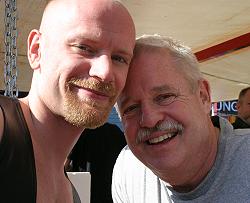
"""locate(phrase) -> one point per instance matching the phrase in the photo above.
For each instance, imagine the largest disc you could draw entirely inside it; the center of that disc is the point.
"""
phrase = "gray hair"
(181, 54)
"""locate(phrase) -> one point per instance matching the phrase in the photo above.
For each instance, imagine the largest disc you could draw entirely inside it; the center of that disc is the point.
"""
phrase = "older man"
(80, 67)
(174, 152)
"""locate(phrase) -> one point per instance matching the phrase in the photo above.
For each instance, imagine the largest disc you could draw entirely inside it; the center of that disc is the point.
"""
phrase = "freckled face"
(83, 62)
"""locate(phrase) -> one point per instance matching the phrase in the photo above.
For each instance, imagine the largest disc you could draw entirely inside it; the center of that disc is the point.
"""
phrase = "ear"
(205, 94)
(33, 51)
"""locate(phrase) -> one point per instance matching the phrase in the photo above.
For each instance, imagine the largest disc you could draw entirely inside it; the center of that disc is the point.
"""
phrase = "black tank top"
(17, 163)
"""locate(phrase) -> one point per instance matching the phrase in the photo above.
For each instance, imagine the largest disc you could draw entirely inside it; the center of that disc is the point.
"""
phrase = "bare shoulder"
(1, 124)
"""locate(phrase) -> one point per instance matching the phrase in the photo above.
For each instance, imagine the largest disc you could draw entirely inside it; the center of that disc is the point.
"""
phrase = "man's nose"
(102, 68)
(150, 117)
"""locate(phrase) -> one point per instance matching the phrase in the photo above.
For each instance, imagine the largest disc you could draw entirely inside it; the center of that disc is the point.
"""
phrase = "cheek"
(130, 130)
(74, 67)
(120, 79)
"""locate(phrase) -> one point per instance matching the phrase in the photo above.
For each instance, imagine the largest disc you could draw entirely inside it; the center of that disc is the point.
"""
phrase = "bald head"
(87, 39)
(108, 15)
(107, 10)
(62, 18)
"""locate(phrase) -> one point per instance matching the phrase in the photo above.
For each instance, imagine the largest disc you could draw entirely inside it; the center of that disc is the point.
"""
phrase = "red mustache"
(107, 89)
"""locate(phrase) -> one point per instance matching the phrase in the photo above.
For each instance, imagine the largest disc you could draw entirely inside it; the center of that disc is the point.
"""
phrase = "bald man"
(80, 58)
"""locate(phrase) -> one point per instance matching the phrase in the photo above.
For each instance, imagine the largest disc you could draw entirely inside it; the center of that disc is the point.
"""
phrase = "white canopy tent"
(218, 31)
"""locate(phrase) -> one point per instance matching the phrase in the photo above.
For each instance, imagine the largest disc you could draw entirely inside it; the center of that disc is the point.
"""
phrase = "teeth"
(161, 138)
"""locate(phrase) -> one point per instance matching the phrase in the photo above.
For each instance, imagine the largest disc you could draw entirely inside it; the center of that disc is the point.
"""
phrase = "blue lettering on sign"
(233, 106)
(219, 106)
(227, 107)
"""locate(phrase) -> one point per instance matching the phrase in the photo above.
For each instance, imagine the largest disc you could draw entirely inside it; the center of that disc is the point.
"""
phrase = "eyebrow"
(163, 88)
(93, 39)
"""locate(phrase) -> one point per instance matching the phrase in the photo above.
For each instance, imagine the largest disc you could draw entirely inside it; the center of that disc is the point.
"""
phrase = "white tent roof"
(218, 31)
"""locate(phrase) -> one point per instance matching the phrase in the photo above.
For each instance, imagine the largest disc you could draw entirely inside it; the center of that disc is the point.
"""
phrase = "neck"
(52, 137)
(204, 169)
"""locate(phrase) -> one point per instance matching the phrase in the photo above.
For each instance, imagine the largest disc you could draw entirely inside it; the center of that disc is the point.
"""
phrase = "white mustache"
(144, 133)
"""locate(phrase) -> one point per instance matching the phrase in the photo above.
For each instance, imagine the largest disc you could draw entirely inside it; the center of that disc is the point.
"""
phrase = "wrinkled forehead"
(153, 72)
(150, 62)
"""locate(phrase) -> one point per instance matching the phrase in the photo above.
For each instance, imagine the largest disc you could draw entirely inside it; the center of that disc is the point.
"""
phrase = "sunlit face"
(244, 107)
(164, 121)
(85, 53)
